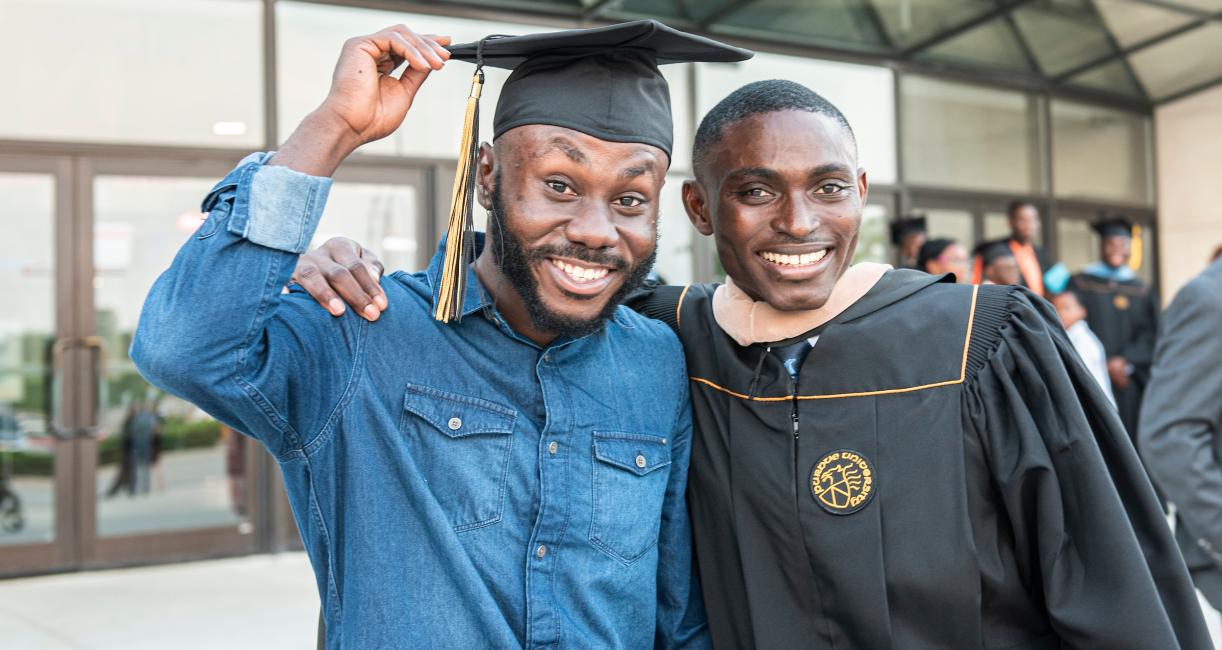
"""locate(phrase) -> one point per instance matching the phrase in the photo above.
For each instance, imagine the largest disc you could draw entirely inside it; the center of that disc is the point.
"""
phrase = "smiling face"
(782, 195)
(573, 226)
(1116, 250)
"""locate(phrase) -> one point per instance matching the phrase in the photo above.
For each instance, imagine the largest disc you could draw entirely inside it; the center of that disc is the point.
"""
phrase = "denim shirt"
(455, 485)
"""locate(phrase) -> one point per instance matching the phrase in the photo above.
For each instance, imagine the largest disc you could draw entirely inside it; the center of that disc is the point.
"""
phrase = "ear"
(485, 173)
(863, 184)
(697, 206)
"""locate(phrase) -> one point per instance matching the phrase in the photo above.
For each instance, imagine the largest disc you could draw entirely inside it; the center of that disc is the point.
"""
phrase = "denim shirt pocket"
(461, 445)
(630, 474)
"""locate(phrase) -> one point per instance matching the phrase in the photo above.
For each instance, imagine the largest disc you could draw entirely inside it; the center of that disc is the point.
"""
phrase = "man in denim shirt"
(515, 478)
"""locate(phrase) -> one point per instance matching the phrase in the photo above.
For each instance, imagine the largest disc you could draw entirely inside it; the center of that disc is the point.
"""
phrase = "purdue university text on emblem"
(843, 482)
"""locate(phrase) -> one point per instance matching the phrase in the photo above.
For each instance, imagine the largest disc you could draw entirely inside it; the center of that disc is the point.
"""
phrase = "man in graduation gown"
(500, 460)
(884, 458)
(1123, 312)
(1033, 261)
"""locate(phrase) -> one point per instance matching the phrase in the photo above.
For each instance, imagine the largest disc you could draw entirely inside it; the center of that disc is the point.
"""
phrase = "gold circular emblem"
(842, 482)
(1121, 302)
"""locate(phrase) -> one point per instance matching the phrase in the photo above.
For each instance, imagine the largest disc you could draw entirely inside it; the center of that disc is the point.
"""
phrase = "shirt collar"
(476, 296)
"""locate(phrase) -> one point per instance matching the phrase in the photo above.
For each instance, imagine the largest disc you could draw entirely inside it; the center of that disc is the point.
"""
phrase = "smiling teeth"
(794, 260)
(581, 273)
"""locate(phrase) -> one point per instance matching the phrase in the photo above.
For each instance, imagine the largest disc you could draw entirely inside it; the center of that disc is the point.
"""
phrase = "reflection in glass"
(967, 137)
(1100, 153)
(27, 329)
(162, 463)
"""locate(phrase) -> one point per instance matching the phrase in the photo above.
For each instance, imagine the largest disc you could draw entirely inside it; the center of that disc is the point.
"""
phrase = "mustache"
(579, 252)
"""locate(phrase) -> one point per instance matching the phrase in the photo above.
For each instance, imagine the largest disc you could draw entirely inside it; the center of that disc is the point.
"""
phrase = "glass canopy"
(1146, 51)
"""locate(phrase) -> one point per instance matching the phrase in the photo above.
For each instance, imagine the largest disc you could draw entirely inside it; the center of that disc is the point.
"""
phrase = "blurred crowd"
(1161, 369)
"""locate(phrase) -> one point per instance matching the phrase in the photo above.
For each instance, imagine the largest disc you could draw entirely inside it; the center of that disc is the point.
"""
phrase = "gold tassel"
(460, 238)
(1135, 249)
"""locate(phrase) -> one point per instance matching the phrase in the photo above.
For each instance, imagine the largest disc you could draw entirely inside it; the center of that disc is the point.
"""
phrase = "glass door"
(40, 366)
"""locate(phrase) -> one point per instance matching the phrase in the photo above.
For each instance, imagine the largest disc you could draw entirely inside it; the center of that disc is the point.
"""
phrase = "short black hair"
(1016, 204)
(757, 98)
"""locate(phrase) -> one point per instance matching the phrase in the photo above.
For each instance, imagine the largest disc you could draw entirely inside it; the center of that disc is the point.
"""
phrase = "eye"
(831, 188)
(559, 186)
(755, 193)
(629, 201)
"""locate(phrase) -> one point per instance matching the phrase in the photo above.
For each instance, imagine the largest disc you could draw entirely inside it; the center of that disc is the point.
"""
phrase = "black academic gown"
(1124, 315)
(1005, 507)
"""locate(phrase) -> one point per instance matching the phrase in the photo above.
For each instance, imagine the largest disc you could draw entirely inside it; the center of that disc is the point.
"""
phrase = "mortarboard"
(603, 82)
(905, 225)
(991, 251)
(1113, 225)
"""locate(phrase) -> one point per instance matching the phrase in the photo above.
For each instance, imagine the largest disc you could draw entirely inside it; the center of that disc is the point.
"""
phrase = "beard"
(515, 260)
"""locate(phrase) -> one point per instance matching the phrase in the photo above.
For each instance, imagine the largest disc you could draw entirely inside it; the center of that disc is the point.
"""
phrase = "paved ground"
(268, 602)
(264, 602)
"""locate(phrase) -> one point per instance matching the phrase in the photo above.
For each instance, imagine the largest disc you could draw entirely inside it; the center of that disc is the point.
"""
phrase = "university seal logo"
(842, 482)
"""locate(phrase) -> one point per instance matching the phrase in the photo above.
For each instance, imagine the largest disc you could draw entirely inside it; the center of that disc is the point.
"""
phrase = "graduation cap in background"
(991, 251)
(1112, 225)
(1118, 225)
(603, 82)
(904, 226)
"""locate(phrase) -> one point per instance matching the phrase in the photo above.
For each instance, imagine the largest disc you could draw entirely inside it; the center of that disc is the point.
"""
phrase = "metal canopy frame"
(911, 57)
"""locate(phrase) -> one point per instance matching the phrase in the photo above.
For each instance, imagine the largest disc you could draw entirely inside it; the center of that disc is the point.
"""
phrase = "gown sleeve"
(1083, 513)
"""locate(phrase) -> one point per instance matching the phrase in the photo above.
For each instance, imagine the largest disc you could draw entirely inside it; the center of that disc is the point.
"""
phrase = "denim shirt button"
(455, 424)
(552, 447)
(541, 551)
(640, 461)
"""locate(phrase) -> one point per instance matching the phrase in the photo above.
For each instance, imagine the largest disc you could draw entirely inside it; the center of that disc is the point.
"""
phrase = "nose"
(593, 228)
(797, 216)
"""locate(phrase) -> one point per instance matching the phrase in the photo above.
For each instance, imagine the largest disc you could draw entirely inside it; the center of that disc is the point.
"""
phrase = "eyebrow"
(831, 168)
(638, 170)
(567, 149)
(762, 172)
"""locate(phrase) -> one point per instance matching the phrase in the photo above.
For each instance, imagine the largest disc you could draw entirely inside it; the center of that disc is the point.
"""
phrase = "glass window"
(865, 94)
(1182, 62)
(675, 255)
(1134, 22)
(967, 137)
(1100, 153)
(27, 328)
(993, 45)
(953, 224)
(187, 72)
(838, 23)
(163, 464)
(996, 226)
(910, 22)
(383, 218)
(873, 241)
(1063, 34)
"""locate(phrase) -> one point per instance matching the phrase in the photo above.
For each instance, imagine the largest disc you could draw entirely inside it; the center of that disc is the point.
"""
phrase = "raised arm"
(215, 328)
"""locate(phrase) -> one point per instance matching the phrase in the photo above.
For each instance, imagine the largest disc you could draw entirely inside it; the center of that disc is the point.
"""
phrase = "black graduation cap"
(1113, 225)
(991, 251)
(603, 82)
(905, 225)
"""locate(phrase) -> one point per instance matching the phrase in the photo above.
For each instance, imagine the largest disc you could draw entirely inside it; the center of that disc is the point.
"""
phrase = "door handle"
(54, 384)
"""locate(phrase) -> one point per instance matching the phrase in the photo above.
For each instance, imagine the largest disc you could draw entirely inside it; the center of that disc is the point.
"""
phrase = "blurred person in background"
(1180, 430)
(1073, 318)
(997, 264)
(1032, 260)
(908, 234)
(943, 255)
(1123, 312)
